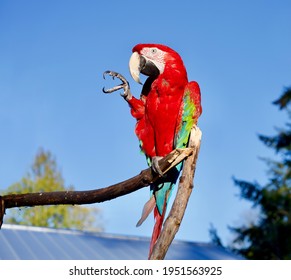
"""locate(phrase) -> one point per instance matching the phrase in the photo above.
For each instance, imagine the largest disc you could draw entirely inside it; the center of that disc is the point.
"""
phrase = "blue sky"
(53, 54)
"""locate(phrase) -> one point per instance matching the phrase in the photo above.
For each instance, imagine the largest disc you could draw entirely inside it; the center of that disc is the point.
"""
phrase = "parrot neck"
(172, 79)
(175, 72)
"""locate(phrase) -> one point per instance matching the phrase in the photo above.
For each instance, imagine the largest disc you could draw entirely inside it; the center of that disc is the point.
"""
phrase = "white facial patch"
(156, 56)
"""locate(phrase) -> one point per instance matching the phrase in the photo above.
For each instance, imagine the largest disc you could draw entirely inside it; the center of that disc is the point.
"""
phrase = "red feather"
(159, 219)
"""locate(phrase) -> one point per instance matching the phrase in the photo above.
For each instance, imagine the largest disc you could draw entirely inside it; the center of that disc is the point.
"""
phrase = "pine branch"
(145, 178)
(172, 223)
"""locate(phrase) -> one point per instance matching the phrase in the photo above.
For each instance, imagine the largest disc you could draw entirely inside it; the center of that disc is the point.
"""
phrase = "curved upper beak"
(134, 67)
(140, 64)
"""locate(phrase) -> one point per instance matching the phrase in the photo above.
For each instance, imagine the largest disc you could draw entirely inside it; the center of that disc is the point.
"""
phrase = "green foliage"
(270, 236)
(44, 176)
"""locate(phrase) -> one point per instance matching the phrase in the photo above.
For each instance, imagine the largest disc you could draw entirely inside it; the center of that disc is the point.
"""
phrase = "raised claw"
(110, 90)
(124, 85)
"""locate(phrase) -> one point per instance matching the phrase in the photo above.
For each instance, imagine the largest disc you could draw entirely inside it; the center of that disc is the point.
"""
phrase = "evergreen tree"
(44, 176)
(270, 236)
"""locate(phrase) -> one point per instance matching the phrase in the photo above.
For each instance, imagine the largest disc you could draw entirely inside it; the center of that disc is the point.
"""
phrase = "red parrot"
(168, 108)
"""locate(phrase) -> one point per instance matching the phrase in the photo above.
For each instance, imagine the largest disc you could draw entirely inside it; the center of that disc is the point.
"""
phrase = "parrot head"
(153, 60)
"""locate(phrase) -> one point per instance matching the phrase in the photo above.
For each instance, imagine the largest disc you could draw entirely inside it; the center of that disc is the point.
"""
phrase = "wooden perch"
(145, 178)
(172, 223)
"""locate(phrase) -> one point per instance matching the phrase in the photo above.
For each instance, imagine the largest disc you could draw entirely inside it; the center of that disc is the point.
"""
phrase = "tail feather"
(147, 209)
(162, 190)
(159, 219)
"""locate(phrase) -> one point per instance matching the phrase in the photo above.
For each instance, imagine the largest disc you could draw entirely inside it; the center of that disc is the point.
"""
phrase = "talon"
(105, 73)
(155, 165)
(124, 85)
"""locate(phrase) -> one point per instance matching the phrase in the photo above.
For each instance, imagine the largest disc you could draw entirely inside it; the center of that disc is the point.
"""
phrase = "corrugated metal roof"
(35, 243)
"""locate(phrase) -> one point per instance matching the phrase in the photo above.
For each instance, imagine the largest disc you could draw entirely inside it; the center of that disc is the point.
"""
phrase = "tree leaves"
(44, 176)
(270, 236)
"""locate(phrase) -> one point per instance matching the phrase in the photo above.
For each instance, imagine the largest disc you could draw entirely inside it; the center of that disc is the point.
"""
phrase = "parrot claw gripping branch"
(168, 108)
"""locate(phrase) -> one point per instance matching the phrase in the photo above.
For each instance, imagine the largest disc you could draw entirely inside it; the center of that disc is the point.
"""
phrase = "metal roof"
(34, 243)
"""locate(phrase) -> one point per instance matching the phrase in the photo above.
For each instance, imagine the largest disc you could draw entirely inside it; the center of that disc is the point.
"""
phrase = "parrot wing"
(189, 114)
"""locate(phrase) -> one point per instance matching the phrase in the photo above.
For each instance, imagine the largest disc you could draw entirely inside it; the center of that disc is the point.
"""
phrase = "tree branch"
(145, 178)
(172, 223)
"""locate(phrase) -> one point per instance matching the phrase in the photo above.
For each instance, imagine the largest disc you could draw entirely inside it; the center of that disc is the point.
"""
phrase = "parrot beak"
(140, 64)
(134, 67)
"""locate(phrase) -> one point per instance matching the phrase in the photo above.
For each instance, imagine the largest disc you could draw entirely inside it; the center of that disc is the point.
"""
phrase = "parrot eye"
(153, 51)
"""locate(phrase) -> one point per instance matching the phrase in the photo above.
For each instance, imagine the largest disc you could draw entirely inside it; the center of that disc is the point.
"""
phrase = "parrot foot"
(124, 85)
(155, 165)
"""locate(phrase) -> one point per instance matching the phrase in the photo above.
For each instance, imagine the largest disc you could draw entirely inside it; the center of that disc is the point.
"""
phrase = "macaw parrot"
(168, 108)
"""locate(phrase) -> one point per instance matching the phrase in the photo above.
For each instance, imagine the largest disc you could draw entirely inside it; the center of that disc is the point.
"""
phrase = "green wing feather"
(187, 119)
